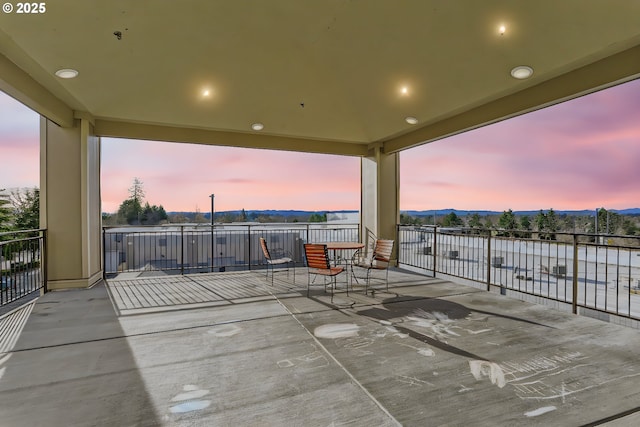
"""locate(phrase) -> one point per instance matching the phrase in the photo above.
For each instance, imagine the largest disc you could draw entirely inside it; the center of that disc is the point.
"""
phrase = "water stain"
(194, 394)
(426, 352)
(540, 411)
(190, 392)
(189, 406)
(336, 330)
(224, 330)
(284, 363)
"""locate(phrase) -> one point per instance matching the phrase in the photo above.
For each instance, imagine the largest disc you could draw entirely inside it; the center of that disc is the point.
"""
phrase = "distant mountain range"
(438, 212)
(459, 212)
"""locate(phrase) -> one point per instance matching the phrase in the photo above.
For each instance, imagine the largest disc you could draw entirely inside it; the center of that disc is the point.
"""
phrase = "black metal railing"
(22, 264)
(586, 271)
(204, 248)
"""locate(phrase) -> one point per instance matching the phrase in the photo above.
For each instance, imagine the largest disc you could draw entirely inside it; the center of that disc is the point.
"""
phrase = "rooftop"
(230, 349)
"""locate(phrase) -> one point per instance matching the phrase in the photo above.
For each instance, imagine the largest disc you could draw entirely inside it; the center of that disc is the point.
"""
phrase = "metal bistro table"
(342, 246)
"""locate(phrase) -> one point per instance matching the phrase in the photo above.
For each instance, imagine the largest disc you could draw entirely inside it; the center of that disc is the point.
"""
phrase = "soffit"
(322, 71)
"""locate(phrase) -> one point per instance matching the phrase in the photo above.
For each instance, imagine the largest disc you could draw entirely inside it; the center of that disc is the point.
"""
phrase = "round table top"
(344, 245)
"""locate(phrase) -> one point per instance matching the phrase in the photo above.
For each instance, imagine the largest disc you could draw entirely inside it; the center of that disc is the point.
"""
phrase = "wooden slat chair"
(379, 259)
(272, 261)
(318, 263)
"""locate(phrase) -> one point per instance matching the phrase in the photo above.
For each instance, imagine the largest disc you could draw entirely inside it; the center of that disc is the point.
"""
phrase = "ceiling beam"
(615, 69)
(21, 86)
(121, 129)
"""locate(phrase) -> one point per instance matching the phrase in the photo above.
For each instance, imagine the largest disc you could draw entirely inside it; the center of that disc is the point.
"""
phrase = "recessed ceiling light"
(257, 126)
(206, 92)
(522, 72)
(404, 90)
(67, 73)
(411, 120)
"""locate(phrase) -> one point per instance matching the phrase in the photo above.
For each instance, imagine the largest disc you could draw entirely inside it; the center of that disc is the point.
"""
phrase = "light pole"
(212, 211)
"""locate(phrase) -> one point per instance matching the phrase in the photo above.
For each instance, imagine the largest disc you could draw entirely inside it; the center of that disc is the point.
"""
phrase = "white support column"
(380, 186)
(70, 203)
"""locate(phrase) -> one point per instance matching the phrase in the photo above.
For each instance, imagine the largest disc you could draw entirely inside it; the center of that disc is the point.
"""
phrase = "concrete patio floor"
(240, 352)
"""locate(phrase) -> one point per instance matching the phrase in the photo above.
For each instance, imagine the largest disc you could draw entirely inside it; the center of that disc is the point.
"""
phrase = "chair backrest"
(369, 242)
(383, 249)
(265, 249)
(317, 255)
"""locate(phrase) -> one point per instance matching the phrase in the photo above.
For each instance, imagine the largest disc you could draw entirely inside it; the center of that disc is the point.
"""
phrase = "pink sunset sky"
(580, 154)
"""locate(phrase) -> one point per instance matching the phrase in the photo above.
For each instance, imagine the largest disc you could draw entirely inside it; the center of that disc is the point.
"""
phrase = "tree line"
(136, 211)
(545, 223)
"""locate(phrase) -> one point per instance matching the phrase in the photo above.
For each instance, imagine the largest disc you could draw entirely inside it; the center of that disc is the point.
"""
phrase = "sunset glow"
(581, 154)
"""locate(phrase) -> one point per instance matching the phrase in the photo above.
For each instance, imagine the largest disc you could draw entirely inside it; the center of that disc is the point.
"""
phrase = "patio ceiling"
(323, 76)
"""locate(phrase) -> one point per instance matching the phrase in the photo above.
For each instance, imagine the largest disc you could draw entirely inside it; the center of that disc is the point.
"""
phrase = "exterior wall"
(70, 204)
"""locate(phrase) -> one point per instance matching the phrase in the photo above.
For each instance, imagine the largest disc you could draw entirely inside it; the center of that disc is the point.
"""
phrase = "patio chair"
(378, 260)
(317, 257)
(282, 257)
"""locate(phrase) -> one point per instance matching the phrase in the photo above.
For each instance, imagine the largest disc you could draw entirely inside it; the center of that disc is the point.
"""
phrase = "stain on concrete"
(189, 395)
(336, 330)
(540, 411)
(224, 330)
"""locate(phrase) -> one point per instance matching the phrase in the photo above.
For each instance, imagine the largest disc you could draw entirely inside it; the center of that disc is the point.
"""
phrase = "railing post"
(489, 262)
(212, 248)
(182, 249)
(249, 245)
(398, 244)
(104, 254)
(435, 250)
(575, 275)
(43, 261)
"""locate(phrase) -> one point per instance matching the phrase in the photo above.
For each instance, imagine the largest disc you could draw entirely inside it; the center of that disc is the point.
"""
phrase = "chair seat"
(377, 265)
(327, 272)
(279, 260)
(379, 259)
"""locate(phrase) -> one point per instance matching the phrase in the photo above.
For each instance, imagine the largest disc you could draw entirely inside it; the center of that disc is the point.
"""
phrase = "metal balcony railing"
(204, 248)
(22, 264)
(584, 271)
(581, 271)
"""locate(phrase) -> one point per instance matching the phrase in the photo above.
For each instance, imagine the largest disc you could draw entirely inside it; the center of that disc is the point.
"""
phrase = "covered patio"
(354, 78)
(428, 352)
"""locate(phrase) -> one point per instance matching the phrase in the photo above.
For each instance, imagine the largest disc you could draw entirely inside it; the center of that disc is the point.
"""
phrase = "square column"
(380, 187)
(70, 204)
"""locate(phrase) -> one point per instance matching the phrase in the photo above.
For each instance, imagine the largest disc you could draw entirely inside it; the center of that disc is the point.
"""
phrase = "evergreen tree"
(318, 217)
(130, 212)
(507, 221)
(547, 224)
(451, 220)
(474, 221)
(27, 209)
(136, 192)
(6, 213)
